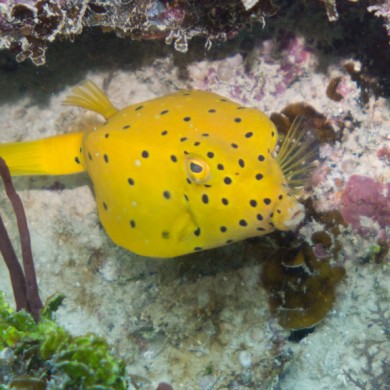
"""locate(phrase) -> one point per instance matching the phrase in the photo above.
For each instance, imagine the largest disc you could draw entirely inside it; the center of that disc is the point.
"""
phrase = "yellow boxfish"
(173, 175)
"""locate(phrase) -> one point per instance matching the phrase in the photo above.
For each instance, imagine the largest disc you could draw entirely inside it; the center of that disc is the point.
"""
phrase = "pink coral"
(364, 197)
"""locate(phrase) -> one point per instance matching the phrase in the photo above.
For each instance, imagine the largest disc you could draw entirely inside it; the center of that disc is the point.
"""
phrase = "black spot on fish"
(248, 134)
(241, 163)
(164, 112)
(139, 108)
(278, 211)
(81, 150)
(130, 181)
(267, 201)
(223, 229)
(197, 232)
(233, 145)
(106, 135)
(104, 206)
(197, 143)
(186, 119)
(227, 180)
(260, 157)
(259, 217)
(220, 167)
(126, 127)
(165, 132)
(77, 160)
(253, 203)
(145, 154)
(205, 135)
(225, 201)
(205, 199)
(188, 181)
(166, 194)
(89, 156)
(211, 111)
(186, 197)
(280, 197)
(173, 158)
(237, 120)
(132, 223)
(223, 100)
(259, 176)
(242, 222)
(105, 158)
(273, 134)
(210, 154)
(182, 139)
(165, 235)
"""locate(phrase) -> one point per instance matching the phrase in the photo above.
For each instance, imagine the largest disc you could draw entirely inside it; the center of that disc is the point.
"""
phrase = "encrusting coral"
(28, 27)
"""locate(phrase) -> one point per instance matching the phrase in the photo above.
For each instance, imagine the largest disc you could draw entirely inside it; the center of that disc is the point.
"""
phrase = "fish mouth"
(296, 215)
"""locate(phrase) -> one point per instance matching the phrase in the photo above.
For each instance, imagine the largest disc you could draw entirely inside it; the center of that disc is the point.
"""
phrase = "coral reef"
(27, 27)
(381, 8)
(203, 321)
(362, 198)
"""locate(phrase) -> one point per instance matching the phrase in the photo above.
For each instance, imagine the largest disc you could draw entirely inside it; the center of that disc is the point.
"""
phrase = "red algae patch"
(365, 197)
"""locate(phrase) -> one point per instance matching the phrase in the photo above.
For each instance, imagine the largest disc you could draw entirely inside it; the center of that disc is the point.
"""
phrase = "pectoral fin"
(184, 227)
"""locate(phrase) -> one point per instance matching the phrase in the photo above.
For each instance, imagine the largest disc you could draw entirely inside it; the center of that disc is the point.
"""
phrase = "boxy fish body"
(177, 174)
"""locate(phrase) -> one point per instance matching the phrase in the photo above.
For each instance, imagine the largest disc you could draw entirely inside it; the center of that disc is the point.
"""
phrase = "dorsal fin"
(88, 95)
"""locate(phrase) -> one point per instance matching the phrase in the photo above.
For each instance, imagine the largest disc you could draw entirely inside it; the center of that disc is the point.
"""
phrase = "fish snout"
(291, 218)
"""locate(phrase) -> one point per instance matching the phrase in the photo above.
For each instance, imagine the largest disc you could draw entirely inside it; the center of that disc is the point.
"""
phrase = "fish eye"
(195, 167)
(198, 171)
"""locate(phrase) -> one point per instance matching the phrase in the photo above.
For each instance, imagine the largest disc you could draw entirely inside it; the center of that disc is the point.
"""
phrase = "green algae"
(45, 353)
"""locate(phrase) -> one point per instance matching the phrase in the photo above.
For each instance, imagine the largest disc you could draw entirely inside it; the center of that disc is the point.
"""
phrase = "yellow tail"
(58, 155)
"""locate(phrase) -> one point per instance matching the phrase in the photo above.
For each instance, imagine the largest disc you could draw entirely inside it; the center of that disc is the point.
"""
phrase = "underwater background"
(303, 310)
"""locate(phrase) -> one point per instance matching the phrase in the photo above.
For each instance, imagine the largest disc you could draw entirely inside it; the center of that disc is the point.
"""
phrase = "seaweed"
(47, 353)
(25, 286)
(301, 287)
(36, 345)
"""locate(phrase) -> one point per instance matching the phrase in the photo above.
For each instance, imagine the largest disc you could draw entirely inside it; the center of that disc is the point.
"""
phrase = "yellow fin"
(184, 226)
(89, 96)
(296, 155)
(57, 155)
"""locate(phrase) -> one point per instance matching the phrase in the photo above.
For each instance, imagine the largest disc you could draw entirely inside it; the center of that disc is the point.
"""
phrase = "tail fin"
(58, 155)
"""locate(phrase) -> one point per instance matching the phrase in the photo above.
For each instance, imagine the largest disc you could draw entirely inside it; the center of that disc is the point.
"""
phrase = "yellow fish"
(173, 175)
